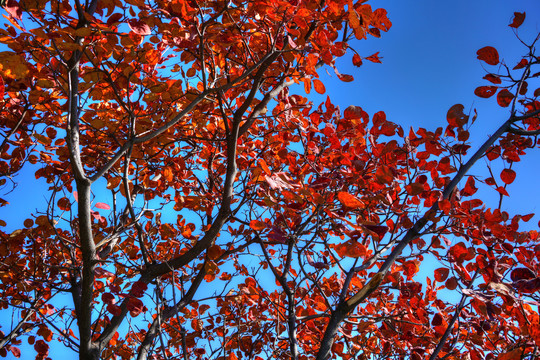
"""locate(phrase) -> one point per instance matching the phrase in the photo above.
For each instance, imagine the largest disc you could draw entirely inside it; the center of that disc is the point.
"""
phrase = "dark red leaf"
(451, 283)
(522, 274)
(437, 320)
(441, 274)
(488, 54)
(380, 230)
(485, 91)
(456, 117)
(517, 20)
(494, 79)
(108, 298)
(114, 309)
(41, 347)
(138, 288)
(521, 64)
(504, 98)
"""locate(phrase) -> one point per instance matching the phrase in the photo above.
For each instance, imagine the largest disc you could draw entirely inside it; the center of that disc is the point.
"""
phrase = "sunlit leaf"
(319, 86)
(103, 206)
(139, 27)
(350, 200)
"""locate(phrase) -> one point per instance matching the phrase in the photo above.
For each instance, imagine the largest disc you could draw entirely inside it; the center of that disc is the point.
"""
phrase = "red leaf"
(517, 20)
(488, 54)
(379, 230)
(521, 64)
(508, 176)
(374, 58)
(352, 249)
(485, 91)
(494, 79)
(345, 78)
(41, 347)
(103, 206)
(114, 309)
(504, 98)
(2, 88)
(139, 27)
(437, 320)
(13, 8)
(108, 298)
(441, 274)
(114, 18)
(138, 288)
(502, 191)
(521, 274)
(349, 200)
(135, 306)
(319, 86)
(451, 283)
(357, 60)
(355, 112)
(456, 117)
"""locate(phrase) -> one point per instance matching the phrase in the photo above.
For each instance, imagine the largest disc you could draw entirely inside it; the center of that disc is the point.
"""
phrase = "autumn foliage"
(199, 209)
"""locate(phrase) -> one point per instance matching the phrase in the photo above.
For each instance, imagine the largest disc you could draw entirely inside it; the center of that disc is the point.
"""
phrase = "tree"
(198, 209)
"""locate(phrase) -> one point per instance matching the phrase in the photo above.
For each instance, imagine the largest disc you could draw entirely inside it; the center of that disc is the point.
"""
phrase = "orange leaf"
(349, 200)
(352, 249)
(517, 20)
(319, 86)
(488, 54)
(504, 98)
(264, 166)
(257, 225)
(508, 176)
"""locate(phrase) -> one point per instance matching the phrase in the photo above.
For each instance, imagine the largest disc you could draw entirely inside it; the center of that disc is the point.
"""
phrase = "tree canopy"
(201, 206)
